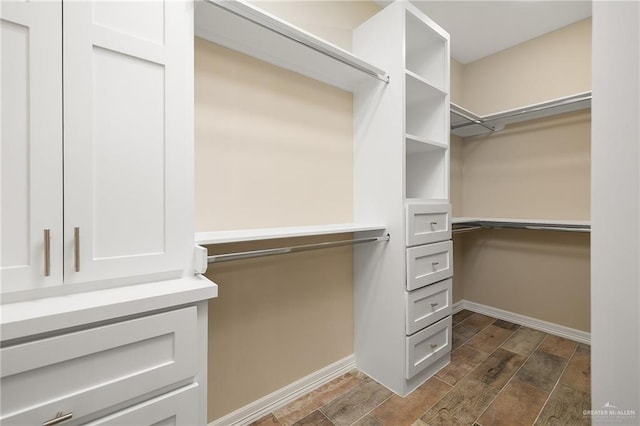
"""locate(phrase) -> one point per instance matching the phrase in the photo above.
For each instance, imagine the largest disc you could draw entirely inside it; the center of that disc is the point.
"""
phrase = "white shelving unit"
(246, 28)
(465, 123)
(401, 176)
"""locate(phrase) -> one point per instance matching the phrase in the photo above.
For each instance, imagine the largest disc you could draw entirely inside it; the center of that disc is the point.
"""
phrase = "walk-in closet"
(353, 212)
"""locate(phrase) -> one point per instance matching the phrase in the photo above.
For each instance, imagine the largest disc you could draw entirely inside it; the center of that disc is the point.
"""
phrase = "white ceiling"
(480, 28)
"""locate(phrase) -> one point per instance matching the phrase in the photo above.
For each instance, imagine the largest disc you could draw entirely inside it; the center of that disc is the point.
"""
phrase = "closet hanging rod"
(217, 258)
(505, 225)
(583, 97)
(382, 77)
(481, 121)
(558, 228)
(462, 230)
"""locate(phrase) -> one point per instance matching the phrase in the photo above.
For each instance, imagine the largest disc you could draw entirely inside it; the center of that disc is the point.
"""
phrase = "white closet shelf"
(465, 123)
(427, 82)
(420, 144)
(37, 316)
(220, 237)
(245, 28)
(468, 223)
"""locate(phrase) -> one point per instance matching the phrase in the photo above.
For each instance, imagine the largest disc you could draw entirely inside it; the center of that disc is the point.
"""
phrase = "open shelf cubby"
(425, 51)
(426, 171)
(426, 110)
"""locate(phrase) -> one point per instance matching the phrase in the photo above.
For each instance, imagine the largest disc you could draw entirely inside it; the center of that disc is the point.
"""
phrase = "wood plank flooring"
(500, 374)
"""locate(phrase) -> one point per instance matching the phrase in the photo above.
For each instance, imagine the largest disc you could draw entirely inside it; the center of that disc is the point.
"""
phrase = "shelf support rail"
(217, 258)
(380, 76)
(471, 121)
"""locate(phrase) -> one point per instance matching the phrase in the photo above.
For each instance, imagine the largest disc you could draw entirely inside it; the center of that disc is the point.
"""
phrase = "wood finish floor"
(500, 374)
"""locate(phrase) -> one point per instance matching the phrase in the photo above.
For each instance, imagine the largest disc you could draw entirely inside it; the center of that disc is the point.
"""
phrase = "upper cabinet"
(31, 145)
(126, 77)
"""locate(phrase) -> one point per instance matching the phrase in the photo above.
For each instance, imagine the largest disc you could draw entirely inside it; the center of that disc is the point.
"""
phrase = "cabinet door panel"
(31, 170)
(128, 138)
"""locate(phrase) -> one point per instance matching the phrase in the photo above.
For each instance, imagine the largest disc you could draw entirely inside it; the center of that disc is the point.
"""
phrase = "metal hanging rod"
(467, 227)
(217, 258)
(382, 77)
(583, 97)
(497, 121)
(464, 229)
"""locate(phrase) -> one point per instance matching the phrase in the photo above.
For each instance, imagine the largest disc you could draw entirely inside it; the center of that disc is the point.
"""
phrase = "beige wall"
(539, 169)
(535, 170)
(457, 70)
(332, 21)
(544, 275)
(274, 148)
(276, 320)
(548, 67)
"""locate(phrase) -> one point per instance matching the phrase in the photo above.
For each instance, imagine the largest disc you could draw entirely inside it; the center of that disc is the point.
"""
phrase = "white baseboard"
(283, 396)
(547, 327)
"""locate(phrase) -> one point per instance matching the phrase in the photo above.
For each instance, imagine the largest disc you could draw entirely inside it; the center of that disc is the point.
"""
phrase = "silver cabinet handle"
(433, 223)
(434, 264)
(433, 305)
(59, 418)
(76, 248)
(47, 252)
(434, 345)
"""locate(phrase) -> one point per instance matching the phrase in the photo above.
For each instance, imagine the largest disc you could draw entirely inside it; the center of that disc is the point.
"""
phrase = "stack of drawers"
(428, 294)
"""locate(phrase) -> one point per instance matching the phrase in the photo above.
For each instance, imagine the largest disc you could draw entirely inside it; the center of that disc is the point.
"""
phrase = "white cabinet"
(125, 72)
(402, 295)
(101, 317)
(31, 170)
(85, 373)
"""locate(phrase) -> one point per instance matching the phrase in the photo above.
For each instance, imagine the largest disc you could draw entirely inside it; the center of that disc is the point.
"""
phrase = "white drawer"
(427, 346)
(428, 223)
(179, 408)
(429, 264)
(428, 305)
(86, 371)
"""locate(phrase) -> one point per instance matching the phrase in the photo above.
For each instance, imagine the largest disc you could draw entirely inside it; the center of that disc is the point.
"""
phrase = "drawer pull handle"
(434, 264)
(59, 418)
(47, 252)
(433, 224)
(433, 305)
(434, 345)
(76, 248)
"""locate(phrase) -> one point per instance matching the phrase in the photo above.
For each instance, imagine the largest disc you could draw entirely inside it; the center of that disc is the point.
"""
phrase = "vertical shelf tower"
(401, 178)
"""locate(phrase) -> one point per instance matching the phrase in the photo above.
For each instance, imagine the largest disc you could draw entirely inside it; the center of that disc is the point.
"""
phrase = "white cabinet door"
(128, 138)
(31, 169)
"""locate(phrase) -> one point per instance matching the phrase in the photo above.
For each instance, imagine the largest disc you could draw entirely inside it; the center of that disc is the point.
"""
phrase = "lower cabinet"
(139, 371)
(177, 408)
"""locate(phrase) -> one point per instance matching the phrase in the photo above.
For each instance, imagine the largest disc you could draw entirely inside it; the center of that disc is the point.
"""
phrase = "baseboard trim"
(547, 327)
(283, 396)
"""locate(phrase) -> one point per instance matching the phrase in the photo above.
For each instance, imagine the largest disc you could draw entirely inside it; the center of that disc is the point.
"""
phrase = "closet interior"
(301, 144)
